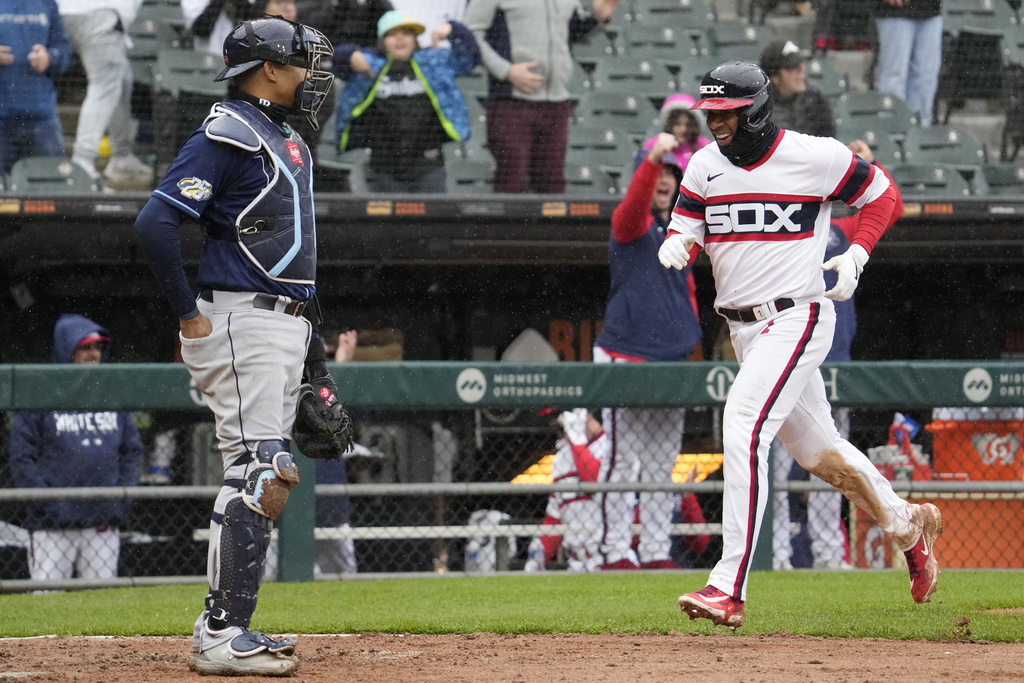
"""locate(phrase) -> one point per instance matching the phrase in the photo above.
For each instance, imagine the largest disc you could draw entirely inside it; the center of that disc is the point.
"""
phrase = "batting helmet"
(275, 39)
(741, 86)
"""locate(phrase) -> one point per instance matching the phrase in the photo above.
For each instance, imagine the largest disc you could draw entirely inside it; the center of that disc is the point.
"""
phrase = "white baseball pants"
(645, 444)
(56, 554)
(779, 390)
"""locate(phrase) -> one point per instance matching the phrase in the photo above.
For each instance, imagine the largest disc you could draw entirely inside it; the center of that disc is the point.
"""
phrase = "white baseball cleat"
(237, 651)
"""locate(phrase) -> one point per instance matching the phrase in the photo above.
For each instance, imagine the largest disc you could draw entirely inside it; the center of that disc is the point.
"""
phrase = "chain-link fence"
(509, 488)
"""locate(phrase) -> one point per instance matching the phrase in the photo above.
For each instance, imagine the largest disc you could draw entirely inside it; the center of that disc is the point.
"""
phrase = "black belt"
(266, 302)
(749, 315)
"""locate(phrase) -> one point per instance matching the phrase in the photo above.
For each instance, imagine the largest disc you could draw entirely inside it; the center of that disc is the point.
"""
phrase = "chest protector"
(276, 231)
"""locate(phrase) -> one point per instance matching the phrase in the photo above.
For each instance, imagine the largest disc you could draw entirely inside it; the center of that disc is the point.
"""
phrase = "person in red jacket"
(651, 316)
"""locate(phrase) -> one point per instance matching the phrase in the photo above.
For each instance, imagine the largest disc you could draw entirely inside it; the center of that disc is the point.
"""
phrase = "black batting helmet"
(742, 86)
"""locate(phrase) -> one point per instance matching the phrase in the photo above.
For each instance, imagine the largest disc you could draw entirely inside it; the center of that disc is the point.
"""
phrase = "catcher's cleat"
(237, 651)
(921, 562)
(710, 603)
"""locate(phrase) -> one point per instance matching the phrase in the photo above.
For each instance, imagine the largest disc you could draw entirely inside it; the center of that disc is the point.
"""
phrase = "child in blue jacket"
(404, 105)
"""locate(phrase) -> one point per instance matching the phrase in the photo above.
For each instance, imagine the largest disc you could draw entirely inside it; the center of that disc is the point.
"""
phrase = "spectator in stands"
(347, 21)
(687, 126)
(405, 106)
(33, 47)
(651, 315)
(81, 449)
(796, 104)
(98, 36)
(910, 51)
(525, 47)
(432, 14)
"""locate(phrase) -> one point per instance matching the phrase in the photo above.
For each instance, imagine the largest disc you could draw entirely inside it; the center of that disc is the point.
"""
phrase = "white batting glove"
(848, 265)
(675, 251)
(574, 424)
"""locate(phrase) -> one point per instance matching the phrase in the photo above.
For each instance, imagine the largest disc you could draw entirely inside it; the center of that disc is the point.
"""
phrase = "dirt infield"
(373, 658)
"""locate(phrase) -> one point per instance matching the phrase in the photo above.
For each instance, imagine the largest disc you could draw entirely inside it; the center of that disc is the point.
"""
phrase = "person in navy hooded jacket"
(75, 449)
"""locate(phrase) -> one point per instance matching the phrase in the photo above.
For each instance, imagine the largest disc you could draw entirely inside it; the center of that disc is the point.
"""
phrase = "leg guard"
(244, 538)
(270, 480)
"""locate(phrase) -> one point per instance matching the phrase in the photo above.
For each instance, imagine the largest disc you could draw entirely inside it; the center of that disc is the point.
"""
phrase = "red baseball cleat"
(659, 564)
(710, 603)
(921, 562)
(617, 565)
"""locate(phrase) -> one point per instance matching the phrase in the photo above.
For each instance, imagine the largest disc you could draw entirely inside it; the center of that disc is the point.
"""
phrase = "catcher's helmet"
(275, 39)
(742, 86)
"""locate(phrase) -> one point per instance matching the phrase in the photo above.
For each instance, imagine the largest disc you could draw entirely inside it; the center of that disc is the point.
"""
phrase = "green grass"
(857, 604)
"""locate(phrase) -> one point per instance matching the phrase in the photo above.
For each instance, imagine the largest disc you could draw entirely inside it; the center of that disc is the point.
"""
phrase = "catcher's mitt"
(322, 427)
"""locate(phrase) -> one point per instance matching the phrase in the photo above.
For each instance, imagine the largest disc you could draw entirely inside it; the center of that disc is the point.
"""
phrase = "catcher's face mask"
(310, 96)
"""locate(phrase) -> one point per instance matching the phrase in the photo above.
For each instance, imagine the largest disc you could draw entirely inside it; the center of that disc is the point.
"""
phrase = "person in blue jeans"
(33, 47)
(405, 104)
(910, 51)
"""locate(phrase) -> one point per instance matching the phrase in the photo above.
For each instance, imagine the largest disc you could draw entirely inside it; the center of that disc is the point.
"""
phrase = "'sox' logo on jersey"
(712, 90)
(760, 220)
(195, 189)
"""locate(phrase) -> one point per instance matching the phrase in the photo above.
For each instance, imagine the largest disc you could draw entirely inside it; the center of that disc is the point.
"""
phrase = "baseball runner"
(651, 315)
(758, 204)
(246, 177)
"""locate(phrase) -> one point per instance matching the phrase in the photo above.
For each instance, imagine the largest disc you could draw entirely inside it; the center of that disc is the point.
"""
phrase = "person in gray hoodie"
(75, 449)
(524, 44)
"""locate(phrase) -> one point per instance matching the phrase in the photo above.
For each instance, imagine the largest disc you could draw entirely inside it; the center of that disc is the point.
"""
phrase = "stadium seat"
(473, 83)
(876, 110)
(1004, 179)
(1013, 104)
(470, 176)
(638, 76)
(972, 67)
(943, 145)
(690, 14)
(826, 76)
(602, 145)
(887, 152)
(932, 180)
(49, 176)
(743, 42)
(163, 11)
(598, 45)
(667, 41)
(149, 35)
(689, 77)
(586, 179)
(629, 113)
(183, 92)
(977, 14)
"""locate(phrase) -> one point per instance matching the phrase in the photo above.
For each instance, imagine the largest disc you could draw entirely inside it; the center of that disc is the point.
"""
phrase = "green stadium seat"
(1004, 179)
(473, 83)
(465, 176)
(743, 42)
(49, 176)
(691, 14)
(667, 41)
(887, 152)
(943, 145)
(977, 14)
(642, 76)
(826, 76)
(183, 92)
(589, 180)
(602, 145)
(163, 11)
(598, 45)
(876, 110)
(692, 73)
(632, 114)
(931, 180)
(149, 35)
(972, 67)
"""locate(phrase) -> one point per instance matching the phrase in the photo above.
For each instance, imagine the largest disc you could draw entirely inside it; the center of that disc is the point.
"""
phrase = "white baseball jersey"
(765, 226)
